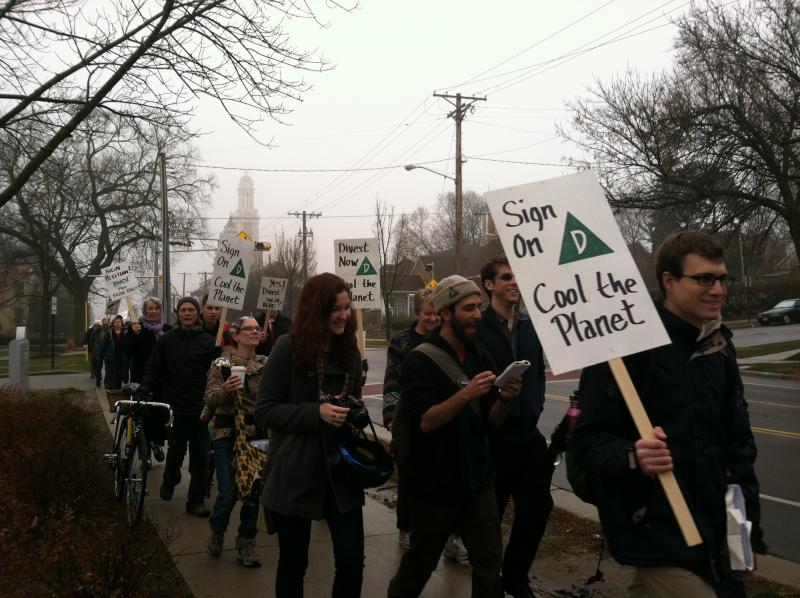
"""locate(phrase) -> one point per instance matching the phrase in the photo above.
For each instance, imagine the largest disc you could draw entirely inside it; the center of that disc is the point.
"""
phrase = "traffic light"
(263, 246)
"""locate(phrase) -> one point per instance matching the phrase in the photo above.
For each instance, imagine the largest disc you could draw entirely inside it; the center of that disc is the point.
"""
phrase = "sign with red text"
(358, 263)
(272, 293)
(232, 262)
(584, 293)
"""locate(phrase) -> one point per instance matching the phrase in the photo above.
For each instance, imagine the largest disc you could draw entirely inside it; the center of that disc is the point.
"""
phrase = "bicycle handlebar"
(147, 404)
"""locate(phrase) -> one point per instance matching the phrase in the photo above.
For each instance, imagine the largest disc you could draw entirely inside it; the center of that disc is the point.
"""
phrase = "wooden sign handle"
(133, 315)
(222, 317)
(668, 482)
(362, 340)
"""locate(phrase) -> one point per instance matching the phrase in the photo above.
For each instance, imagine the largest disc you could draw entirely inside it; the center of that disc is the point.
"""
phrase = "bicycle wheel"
(120, 459)
(137, 479)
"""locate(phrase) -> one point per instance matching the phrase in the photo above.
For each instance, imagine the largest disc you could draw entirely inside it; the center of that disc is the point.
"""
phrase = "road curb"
(774, 375)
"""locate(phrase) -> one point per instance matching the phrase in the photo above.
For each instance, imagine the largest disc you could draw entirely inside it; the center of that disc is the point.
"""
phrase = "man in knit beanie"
(447, 385)
(177, 368)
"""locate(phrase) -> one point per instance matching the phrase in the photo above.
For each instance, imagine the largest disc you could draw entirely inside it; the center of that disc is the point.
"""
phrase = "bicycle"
(130, 458)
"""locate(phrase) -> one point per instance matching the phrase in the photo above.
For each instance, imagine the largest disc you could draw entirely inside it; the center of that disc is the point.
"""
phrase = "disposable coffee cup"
(238, 370)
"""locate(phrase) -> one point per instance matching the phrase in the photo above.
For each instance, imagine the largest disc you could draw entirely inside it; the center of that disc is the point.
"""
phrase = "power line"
(311, 170)
(531, 47)
(525, 73)
(522, 162)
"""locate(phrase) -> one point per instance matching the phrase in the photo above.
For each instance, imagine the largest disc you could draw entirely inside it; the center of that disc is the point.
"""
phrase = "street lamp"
(411, 167)
(459, 208)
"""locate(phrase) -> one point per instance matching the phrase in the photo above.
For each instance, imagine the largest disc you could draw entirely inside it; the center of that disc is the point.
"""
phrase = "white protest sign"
(584, 293)
(357, 262)
(232, 263)
(272, 293)
(120, 280)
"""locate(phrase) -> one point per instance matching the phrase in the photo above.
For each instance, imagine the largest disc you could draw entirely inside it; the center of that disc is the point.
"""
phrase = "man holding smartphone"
(518, 448)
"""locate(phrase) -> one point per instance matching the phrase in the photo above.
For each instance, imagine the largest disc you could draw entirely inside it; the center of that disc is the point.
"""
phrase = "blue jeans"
(226, 494)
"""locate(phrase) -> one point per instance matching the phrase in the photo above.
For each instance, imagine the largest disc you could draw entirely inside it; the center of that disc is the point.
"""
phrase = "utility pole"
(458, 116)
(165, 237)
(305, 234)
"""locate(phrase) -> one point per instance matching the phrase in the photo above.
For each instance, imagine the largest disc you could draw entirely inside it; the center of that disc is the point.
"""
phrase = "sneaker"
(158, 453)
(215, 540)
(405, 539)
(246, 553)
(455, 551)
(198, 509)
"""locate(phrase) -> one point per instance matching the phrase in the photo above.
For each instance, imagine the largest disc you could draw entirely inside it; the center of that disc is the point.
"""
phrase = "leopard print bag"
(247, 462)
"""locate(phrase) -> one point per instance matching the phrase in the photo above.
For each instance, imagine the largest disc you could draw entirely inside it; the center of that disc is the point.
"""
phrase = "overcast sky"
(375, 108)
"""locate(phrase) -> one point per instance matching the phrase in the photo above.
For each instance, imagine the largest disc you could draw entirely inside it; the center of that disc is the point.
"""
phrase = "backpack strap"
(449, 366)
(445, 362)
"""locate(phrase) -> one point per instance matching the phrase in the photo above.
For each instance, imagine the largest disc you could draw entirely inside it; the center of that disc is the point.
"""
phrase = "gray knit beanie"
(451, 290)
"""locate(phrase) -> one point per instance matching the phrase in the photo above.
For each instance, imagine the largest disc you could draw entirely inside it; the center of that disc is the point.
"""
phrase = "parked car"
(785, 312)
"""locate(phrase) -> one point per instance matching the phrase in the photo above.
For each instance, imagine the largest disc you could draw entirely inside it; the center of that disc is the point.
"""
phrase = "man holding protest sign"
(692, 391)
(518, 448)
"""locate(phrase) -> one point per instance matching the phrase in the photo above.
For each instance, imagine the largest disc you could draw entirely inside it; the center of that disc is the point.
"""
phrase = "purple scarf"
(154, 326)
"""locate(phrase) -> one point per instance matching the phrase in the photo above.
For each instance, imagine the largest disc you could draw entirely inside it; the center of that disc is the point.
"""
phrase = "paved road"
(775, 417)
(761, 335)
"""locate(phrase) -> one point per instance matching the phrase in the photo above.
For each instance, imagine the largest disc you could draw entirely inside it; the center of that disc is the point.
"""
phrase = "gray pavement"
(185, 537)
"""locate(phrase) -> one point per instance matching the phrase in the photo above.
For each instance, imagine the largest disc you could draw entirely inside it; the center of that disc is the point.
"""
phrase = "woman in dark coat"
(310, 368)
(115, 358)
(142, 337)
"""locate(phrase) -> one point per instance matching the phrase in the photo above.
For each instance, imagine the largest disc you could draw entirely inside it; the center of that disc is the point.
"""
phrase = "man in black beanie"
(177, 368)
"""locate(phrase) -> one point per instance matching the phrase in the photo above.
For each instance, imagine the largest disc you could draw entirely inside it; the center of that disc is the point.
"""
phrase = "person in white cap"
(448, 387)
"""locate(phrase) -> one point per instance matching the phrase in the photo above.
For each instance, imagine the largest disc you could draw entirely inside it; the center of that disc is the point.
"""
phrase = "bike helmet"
(366, 461)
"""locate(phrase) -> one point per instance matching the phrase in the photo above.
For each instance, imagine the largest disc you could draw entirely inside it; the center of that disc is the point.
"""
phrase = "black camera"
(358, 415)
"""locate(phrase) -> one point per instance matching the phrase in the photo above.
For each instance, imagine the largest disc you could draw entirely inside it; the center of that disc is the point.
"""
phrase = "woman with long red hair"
(309, 371)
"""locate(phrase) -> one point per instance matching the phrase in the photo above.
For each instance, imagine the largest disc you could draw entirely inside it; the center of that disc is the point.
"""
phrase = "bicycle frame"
(130, 481)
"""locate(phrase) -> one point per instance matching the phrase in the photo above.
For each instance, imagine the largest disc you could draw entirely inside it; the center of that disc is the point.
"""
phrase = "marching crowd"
(464, 446)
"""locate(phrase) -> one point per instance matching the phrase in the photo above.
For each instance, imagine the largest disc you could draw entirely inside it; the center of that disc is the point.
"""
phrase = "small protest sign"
(584, 293)
(357, 262)
(272, 293)
(232, 263)
(120, 280)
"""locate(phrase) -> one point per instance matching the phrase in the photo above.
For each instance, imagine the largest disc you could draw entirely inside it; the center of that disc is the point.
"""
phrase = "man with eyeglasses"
(693, 394)
(518, 448)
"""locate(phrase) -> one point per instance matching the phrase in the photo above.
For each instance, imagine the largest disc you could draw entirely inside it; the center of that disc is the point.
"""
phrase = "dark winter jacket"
(138, 348)
(177, 369)
(282, 326)
(399, 348)
(453, 461)
(302, 446)
(691, 389)
(520, 426)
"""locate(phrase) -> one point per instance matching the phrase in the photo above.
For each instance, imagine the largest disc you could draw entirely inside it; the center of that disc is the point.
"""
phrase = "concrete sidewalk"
(186, 536)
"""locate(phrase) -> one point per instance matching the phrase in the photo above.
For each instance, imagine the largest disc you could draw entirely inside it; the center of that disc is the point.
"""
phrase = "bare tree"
(132, 56)
(716, 137)
(443, 227)
(97, 198)
(392, 242)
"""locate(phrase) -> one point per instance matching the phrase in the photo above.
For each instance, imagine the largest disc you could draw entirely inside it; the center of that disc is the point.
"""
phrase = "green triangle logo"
(238, 270)
(579, 243)
(366, 268)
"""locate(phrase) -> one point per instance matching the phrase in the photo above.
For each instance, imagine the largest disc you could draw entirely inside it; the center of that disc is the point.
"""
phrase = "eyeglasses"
(708, 280)
(507, 276)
